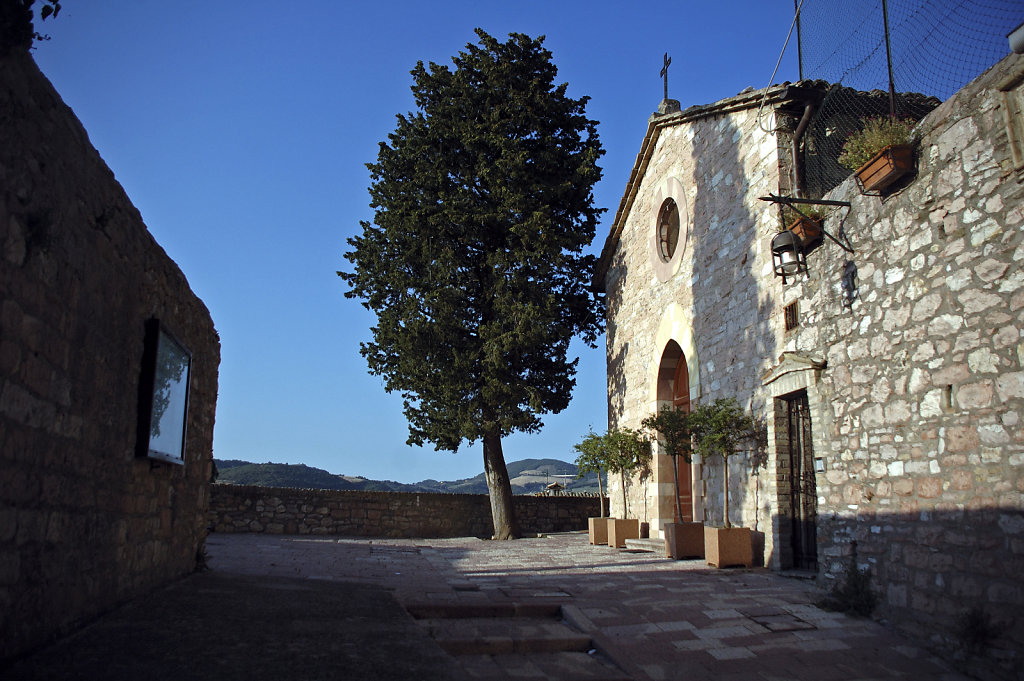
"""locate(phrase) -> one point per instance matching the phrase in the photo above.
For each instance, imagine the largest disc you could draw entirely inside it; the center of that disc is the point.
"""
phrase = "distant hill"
(528, 476)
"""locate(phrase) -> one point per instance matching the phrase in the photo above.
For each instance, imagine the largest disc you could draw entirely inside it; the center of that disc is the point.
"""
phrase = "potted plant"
(806, 225)
(682, 539)
(718, 429)
(629, 454)
(880, 152)
(593, 458)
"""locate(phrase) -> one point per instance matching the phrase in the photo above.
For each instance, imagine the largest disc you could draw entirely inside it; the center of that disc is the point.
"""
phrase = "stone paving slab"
(654, 618)
(231, 627)
(300, 607)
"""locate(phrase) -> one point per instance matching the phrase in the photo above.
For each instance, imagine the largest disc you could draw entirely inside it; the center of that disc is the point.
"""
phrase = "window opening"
(792, 316)
(668, 230)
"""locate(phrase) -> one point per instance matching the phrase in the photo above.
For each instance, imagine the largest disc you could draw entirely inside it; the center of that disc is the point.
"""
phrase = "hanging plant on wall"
(806, 225)
(880, 152)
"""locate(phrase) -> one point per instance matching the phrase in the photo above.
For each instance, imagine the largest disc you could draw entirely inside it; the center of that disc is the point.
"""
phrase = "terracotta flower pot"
(684, 540)
(885, 167)
(728, 546)
(807, 230)
(620, 530)
(598, 530)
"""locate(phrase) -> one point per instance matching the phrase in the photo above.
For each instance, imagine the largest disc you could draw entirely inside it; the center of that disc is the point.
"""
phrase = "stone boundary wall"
(278, 510)
(84, 524)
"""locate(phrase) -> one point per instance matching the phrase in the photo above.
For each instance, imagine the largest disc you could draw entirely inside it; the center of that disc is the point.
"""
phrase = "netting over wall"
(936, 47)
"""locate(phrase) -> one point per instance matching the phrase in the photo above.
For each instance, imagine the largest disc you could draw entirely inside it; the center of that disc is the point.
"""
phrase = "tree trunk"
(600, 493)
(625, 502)
(675, 479)
(725, 476)
(500, 490)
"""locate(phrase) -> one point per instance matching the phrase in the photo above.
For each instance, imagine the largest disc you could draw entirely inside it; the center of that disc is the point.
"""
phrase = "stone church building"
(889, 377)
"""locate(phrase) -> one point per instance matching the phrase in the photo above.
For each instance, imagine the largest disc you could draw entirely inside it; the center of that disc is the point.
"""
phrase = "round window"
(668, 230)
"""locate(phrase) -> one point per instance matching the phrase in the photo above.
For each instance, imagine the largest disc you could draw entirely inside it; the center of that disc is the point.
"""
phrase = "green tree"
(720, 427)
(674, 430)
(16, 31)
(593, 457)
(629, 453)
(474, 262)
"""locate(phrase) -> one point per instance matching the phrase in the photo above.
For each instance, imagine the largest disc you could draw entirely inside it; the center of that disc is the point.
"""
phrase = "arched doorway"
(674, 389)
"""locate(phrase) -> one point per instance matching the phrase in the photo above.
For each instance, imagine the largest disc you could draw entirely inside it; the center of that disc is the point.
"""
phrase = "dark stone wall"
(84, 524)
(238, 508)
(918, 430)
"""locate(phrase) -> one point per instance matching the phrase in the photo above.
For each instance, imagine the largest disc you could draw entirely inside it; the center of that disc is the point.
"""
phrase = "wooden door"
(681, 401)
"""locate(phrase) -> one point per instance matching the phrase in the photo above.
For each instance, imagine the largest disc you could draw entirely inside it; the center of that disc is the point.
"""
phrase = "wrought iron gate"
(803, 491)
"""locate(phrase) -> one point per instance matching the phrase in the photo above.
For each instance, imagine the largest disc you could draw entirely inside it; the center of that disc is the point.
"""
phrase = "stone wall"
(909, 351)
(239, 508)
(713, 303)
(920, 428)
(84, 524)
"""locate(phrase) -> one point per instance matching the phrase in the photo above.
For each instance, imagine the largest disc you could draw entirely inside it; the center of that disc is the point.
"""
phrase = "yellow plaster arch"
(676, 325)
(668, 188)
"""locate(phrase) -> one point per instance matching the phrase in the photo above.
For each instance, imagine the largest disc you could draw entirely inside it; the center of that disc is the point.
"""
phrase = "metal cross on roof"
(664, 72)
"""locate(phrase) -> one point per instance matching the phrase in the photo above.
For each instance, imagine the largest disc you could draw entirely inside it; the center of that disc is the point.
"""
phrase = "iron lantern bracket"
(793, 203)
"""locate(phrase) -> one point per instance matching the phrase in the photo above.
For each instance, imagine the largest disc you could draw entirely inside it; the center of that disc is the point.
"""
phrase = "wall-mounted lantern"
(789, 251)
(788, 258)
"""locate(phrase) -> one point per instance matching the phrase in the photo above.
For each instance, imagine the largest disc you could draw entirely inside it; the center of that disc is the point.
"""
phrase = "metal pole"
(888, 60)
(799, 42)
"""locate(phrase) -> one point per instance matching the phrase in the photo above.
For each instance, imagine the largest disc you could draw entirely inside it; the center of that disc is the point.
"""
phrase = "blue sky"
(241, 130)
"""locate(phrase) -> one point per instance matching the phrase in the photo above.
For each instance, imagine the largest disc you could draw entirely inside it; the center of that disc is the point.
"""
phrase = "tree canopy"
(593, 457)
(629, 454)
(674, 434)
(720, 427)
(474, 262)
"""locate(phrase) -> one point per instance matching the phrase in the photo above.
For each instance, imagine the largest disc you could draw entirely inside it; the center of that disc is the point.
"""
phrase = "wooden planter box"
(885, 167)
(598, 530)
(684, 540)
(728, 546)
(807, 230)
(621, 530)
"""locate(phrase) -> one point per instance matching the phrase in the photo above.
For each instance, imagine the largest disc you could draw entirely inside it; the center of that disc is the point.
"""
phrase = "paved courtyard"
(298, 607)
(646, 617)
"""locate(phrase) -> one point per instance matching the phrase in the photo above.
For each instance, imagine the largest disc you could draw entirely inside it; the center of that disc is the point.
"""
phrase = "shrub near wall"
(237, 508)
(84, 524)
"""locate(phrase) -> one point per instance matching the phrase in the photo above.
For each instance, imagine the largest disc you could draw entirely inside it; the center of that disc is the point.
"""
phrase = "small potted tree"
(682, 539)
(593, 458)
(879, 153)
(718, 429)
(629, 454)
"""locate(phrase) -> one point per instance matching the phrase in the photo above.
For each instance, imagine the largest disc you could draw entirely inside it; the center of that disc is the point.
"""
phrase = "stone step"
(512, 641)
(563, 666)
(653, 545)
(482, 610)
(504, 636)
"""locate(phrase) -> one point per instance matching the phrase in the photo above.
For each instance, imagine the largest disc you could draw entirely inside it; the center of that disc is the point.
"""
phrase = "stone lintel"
(790, 362)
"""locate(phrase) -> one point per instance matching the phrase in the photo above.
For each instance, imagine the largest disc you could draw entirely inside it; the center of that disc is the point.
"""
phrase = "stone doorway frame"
(793, 374)
(675, 328)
